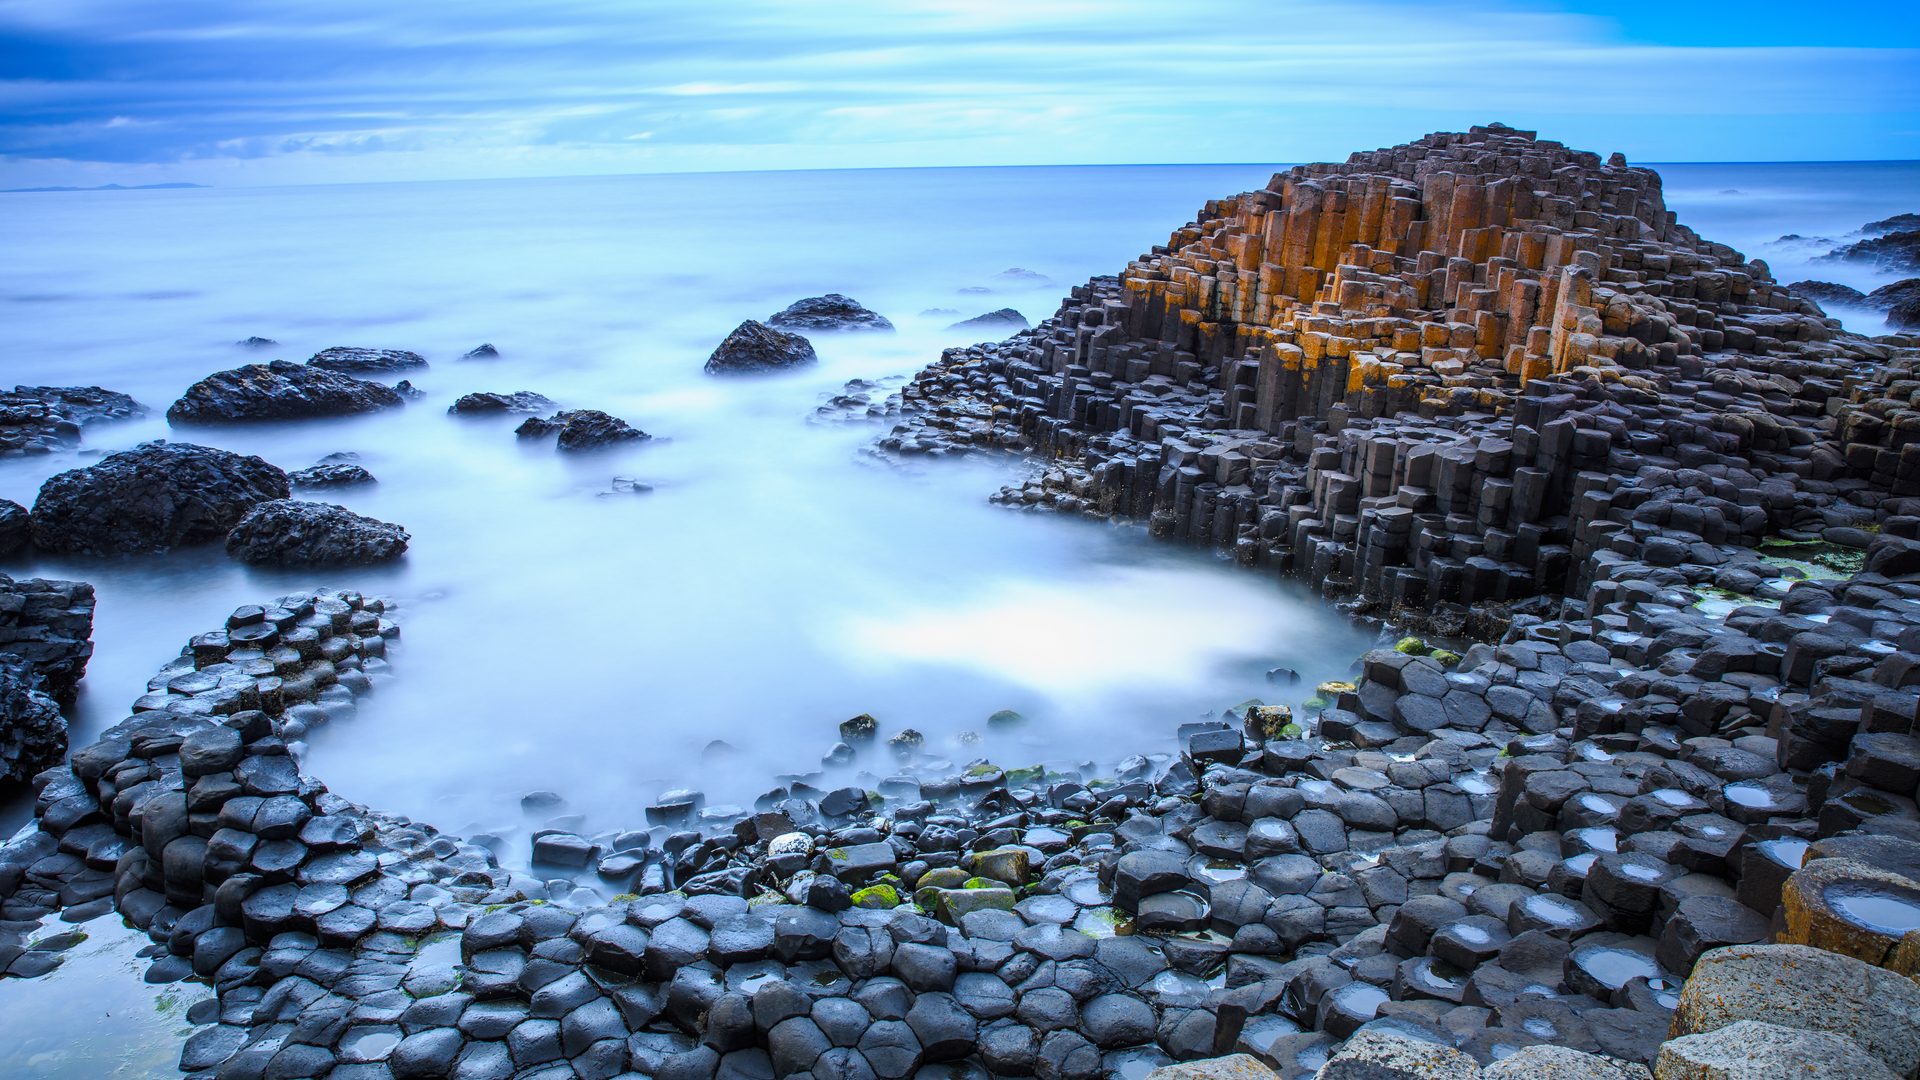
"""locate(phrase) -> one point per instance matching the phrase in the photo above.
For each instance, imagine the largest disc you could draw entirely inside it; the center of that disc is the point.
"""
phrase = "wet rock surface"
(33, 734)
(577, 430)
(1003, 320)
(358, 361)
(16, 528)
(280, 390)
(153, 498)
(830, 312)
(755, 348)
(292, 532)
(336, 474)
(485, 402)
(42, 419)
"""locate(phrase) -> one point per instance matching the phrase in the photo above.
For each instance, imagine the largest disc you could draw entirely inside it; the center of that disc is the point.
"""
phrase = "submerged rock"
(255, 342)
(356, 361)
(40, 419)
(483, 402)
(1003, 320)
(481, 352)
(153, 498)
(16, 528)
(278, 391)
(754, 348)
(289, 532)
(33, 734)
(830, 312)
(334, 475)
(582, 429)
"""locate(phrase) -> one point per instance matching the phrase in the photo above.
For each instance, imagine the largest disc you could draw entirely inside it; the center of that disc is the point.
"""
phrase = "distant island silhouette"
(102, 187)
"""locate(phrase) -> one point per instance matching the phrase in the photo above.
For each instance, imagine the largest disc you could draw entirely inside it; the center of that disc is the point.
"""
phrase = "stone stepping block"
(1809, 989)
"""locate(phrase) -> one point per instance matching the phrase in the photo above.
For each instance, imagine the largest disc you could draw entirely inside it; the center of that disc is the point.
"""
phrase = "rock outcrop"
(33, 734)
(48, 626)
(42, 419)
(279, 390)
(336, 474)
(581, 429)
(16, 528)
(153, 498)
(1001, 321)
(755, 348)
(484, 402)
(292, 532)
(827, 313)
(357, 361)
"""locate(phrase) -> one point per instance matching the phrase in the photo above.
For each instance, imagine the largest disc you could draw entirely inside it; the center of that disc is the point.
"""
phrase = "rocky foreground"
(1660, 820)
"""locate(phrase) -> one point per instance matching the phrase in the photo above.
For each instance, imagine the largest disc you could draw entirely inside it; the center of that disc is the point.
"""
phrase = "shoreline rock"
(291, 532)
(42, 419)
(279, 390)
(832, 312)
(755, 348)
(349, 360)
(153, 498)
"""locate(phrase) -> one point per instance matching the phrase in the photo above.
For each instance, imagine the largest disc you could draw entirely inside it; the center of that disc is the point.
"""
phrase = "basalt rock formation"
(830, 312)
(41, 419)
(280, 390)
(291, 532)
(1461, 370)
(755, 348)
(153, 498)
(482, 402)
(335, 474)
(581, 430)
(48, 626)
(16, 528)
(358, 361)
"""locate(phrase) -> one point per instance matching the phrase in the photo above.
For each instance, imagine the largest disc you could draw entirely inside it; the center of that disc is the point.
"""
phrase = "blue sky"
(306, 91)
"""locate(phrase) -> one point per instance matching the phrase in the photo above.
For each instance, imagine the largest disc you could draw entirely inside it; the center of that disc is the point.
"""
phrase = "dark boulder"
(33, 734)
(355, 361)
(485, 402)
(1896, 223)
(16, 529)
(330, 475)
(48, 625)
(39, 419)
(481, 352)
(1894, 293)
(1828, 292)
(830, 312)
(278, 391)
(1005, 320)
(289, 532)
(1889, 251)
(755, 347)
(582, 429)
(155, 497)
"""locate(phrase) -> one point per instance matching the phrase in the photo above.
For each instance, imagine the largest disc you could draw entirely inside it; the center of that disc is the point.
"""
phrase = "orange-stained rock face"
(1478, 367)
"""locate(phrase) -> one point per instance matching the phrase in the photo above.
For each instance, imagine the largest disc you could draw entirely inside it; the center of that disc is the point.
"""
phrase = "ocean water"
(712, 633)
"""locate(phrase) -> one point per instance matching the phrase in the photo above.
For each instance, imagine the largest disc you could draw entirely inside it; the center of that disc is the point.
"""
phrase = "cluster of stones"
(46, 630)
(160, 496)
(43, 419)
(580, 429)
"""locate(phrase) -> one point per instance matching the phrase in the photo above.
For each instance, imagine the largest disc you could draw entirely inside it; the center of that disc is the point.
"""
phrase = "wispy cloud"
(303, 90)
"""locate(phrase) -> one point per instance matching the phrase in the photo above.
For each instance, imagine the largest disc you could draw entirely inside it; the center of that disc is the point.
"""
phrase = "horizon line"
(70, 189)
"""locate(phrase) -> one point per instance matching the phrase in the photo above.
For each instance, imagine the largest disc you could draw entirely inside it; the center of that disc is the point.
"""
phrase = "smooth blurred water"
(773, 583)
